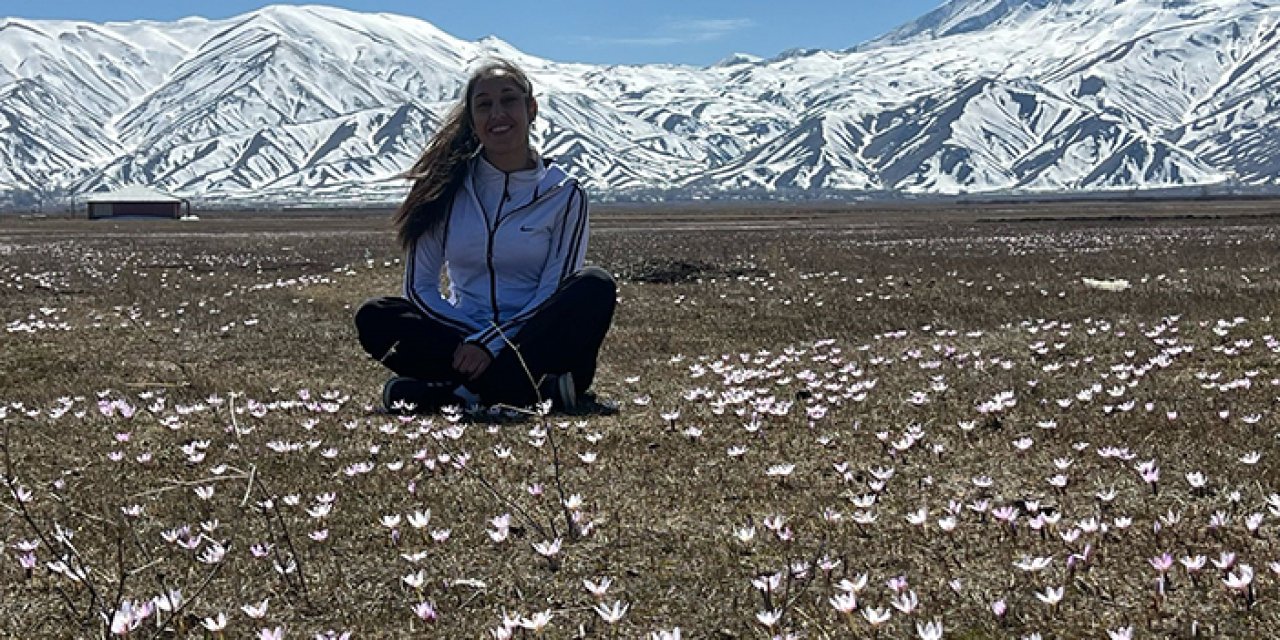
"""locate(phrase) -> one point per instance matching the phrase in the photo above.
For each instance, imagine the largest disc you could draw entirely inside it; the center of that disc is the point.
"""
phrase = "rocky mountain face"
(313, 105)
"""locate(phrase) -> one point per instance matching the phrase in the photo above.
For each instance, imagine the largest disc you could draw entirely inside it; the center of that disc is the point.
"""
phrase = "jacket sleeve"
(422, 285)
(567, 256)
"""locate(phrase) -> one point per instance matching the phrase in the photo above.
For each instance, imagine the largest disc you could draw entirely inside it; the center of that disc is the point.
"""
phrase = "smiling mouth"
(500, 129)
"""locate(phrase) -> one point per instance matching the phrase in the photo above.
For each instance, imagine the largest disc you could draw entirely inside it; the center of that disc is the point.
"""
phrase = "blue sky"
(697, 32)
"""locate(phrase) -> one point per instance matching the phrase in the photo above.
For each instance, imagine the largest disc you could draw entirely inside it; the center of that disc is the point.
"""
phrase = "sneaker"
(559, 389)
(404, 395)
(590, 404)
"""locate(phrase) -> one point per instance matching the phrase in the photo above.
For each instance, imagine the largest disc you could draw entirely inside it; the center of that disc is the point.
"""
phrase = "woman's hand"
(471, 360)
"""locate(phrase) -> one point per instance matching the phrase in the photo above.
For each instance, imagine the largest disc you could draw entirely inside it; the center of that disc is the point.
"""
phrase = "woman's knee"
(597, 283)
(372, 320)
(370, 314)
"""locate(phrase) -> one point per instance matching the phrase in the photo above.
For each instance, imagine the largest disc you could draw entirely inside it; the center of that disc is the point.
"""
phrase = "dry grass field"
(1056, 421)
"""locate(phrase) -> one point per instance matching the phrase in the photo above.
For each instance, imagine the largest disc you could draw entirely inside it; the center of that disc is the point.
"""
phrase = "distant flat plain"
(745, 214)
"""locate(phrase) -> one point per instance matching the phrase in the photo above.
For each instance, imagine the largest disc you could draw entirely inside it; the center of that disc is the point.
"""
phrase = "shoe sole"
(422, 404)
(386, 393)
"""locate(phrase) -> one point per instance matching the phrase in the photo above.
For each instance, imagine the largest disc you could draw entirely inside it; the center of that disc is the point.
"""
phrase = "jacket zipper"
(493, 233)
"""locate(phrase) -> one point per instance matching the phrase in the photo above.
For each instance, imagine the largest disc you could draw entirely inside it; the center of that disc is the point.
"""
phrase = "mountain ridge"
(314, 104)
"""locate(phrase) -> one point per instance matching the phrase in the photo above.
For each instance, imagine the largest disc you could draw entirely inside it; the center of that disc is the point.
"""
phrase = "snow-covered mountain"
(315, 104)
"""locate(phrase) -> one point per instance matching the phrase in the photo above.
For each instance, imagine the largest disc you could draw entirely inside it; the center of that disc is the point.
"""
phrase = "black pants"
(562, 337)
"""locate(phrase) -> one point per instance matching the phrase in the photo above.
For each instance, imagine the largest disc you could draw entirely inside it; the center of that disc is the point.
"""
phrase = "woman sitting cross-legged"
(524, 319)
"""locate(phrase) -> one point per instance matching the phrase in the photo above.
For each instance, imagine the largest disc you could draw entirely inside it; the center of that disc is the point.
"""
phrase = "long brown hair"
(441, 168)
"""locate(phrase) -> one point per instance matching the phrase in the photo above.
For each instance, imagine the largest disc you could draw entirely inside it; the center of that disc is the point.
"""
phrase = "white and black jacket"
(508, 242)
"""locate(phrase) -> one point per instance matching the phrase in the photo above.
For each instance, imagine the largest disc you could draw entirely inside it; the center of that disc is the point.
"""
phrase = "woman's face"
(501, 112)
